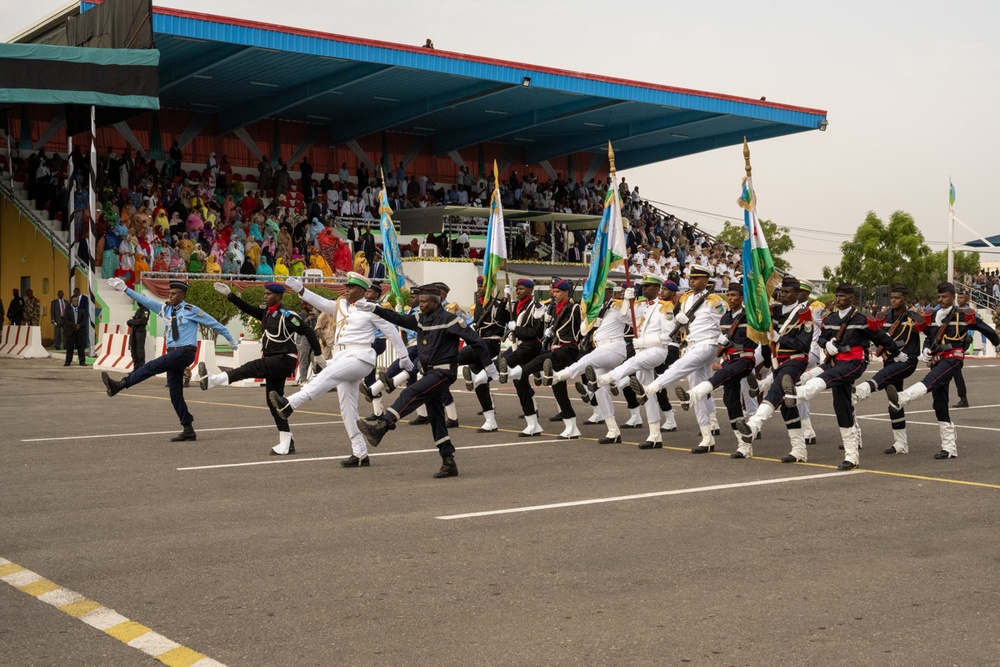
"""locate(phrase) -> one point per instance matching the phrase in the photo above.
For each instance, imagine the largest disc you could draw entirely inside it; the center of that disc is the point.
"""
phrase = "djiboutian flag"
(759, 276)
(496, 241)
(390, 248)
(609, 252)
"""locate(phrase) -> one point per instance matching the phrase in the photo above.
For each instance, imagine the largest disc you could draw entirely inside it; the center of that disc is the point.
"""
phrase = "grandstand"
(306, 120)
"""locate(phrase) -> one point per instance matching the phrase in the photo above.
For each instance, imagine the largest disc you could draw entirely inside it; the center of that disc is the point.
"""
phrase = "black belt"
(183, 347)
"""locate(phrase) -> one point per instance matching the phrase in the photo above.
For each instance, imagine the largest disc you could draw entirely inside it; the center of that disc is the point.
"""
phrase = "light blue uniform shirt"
(188, 318)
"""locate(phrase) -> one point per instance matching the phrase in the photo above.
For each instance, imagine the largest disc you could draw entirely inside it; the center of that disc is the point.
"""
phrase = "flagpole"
(951, 232)
(628, 280)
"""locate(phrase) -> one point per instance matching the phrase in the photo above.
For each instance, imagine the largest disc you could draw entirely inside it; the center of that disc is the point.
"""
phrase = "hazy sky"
(908, 86)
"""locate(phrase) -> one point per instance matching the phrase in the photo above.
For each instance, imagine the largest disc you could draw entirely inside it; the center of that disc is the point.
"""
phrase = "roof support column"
(244, 136)
(126, 131)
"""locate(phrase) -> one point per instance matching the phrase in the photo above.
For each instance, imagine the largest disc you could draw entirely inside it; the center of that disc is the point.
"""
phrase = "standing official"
(279, 353)
(180, 321)
(75, 332)
(438, 333)
(57, 311)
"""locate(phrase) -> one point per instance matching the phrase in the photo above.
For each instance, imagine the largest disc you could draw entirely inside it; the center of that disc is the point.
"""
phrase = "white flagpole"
(91, 243)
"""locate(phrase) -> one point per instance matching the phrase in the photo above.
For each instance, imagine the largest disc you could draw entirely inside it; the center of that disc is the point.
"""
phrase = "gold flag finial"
(746, 156)
(611, 157)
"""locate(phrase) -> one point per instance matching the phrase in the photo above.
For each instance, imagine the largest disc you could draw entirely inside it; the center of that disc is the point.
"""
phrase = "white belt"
(608, 341)
(348, 346)
(703, 341)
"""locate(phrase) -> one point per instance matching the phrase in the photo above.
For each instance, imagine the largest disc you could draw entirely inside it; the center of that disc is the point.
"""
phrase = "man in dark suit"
(75, 331)
(85, 307)
(57, 311)
(15, 311)
(376, 270)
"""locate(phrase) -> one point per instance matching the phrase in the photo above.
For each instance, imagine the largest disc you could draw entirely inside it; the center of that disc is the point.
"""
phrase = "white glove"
(319, 361)
(831, 348)
(772, 335)
(492, 372)
(118, 284)
(294, 284)
(365, 306)
(547, 333)
(406, 363)
(664, 339)
(507, 291)
(511, 325)
(630, 294)
(902, 357)
(399, 308)
(234, 343)
(681, 319)
(723, 339)
(925, 355)
(222, 288)
(548, 317)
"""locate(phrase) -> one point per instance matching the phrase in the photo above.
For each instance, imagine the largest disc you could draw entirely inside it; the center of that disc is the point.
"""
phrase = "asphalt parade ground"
(117, 545)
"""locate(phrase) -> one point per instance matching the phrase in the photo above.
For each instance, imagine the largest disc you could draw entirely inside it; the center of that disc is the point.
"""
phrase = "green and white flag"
(759, 276)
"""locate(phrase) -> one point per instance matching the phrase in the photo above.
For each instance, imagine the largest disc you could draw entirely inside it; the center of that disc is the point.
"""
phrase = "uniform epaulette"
(805, 316)
(874, 323)
(667, 307)
(715, 298)
(817, 305)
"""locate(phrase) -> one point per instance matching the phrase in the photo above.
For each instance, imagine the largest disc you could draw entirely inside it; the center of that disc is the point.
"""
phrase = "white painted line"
(289, 459)
(153, 643)
(21, 578)
(910, 422)
(200, 430)
(639, 496)
(103, 618)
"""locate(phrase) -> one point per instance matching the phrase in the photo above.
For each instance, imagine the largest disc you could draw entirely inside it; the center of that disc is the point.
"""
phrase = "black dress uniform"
(490, 322)
(279, 353)
(904, 327)
(563, 352)
(529, 326)
(438, 333)
(137, 335)
(944, 347)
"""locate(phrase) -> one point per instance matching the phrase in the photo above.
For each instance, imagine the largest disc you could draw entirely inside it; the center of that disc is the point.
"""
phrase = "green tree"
(883, 254)
(201, 294)
(778, 240)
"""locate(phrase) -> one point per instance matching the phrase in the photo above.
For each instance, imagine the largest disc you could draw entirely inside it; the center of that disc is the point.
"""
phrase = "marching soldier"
(353, 358)
(903, 326)
(699, 313)
(490, 322)
(651, 342)
(737, 352)
(607, 337)
(563, 321)
(279, 353)
(845, 337)
(181, 322)
(527, 325)
(789, 356)
(944, 348)
(438, 333)
(816, 309)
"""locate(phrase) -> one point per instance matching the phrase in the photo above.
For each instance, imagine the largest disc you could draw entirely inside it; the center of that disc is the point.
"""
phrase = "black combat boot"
(448, 468)
(187, 434)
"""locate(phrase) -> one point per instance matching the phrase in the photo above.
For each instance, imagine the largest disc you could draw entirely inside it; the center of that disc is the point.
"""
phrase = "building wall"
(25, 253)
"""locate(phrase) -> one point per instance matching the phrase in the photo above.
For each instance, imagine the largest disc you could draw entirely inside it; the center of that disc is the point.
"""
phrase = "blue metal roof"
(242, 72)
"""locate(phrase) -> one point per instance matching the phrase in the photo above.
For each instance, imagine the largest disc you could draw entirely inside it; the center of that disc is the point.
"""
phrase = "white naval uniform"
(609, 352)
(353, 358)
(702, 346)
(655, 325)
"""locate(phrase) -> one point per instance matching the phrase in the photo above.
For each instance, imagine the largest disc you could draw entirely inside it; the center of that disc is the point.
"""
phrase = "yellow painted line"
(94, 614)
(40, 587)
(922, 478)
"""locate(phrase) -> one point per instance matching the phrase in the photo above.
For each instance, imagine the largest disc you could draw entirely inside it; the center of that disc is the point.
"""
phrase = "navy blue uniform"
(437, 358)
(946, 341)
(851, 359)
(490, 322)
(904, 328)
(791, 352)
(738, 362)
(564, 351)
